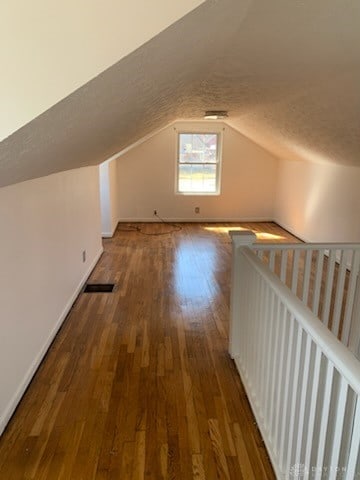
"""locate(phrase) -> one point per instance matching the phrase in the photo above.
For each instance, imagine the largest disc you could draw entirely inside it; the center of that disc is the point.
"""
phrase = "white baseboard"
(9, 410)
(109, 234)
(194, 219)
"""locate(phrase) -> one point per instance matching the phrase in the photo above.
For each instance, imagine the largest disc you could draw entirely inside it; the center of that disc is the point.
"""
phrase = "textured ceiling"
(287, 71)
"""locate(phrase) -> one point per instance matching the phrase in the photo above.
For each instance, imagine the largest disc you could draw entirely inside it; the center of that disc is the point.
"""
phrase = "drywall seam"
(4, 419)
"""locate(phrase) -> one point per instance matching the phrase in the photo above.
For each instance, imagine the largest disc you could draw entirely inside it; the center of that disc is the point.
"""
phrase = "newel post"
(240, 239)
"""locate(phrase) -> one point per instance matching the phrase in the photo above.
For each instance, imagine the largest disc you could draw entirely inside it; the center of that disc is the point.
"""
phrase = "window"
(198, 163)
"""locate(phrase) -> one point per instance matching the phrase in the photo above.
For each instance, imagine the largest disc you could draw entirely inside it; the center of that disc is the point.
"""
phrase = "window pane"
(197, 178)
(198, 147)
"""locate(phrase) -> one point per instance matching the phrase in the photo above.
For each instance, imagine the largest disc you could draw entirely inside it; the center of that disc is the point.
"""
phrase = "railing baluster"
(283, 267)
(272, 260)
(306, 376)
(339, 293)
(254, 331)
(285, 405)
(350, 297)
(244, 309)
(281, 378)
(354, 446)
(347, 428)
(307, 272)
(295, 271)
(257, 359)
(294, 397)
(317, 282)
(270, 357)
(338, 430)
(262, 343)
(275, 367)
(312, 410)
(324, 419)
(265, 343)
(328, 287)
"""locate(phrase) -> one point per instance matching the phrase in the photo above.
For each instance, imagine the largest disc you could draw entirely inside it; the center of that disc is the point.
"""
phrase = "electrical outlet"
(155, 212)
(84, 256)
(197, 209)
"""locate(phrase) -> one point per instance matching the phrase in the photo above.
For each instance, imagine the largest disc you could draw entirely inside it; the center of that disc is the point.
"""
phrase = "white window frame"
(200, 131)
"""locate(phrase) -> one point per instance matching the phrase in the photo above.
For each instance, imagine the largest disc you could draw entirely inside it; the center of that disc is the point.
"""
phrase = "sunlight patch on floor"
(259, 235)
(224, 229)
(268, 236)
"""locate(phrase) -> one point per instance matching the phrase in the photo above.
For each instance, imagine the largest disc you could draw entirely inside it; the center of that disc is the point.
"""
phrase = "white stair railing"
(325, 278)
(303, 384)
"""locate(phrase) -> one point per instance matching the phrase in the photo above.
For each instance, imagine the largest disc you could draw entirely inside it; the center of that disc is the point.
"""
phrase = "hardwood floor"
(138, 383)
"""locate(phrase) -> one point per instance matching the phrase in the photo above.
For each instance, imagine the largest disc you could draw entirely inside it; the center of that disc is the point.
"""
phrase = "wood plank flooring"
(138, 383)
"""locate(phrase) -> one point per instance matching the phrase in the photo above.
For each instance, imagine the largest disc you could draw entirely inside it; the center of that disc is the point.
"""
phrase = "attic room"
(150, 381)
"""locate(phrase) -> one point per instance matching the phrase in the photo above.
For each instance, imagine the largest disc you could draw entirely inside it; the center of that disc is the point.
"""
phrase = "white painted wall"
(319, 201)
(108, 198)
(49, 49)
(45, 225)
(105, 207)
(146, 180)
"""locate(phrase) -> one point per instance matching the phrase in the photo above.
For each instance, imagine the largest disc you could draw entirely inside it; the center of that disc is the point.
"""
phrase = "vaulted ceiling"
(288, 72)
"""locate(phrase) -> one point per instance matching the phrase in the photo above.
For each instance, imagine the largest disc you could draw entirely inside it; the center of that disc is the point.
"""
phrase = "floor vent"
(99, 287)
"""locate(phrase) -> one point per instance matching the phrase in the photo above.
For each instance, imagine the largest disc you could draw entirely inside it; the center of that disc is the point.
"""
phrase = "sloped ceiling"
(48, 49)
(288, 72)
